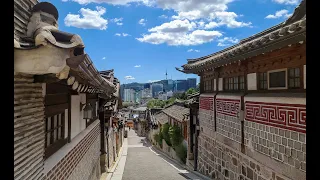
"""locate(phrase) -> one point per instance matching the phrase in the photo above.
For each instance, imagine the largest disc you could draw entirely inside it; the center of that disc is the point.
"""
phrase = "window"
(233, 83)
(263, 83)
(294, 78)
(277, 79)
(208, 85)
(226, 84)
(241, 78)
(54, 137)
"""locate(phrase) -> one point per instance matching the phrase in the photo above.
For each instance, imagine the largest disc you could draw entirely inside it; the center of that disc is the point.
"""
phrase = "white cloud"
(227, 40)
(122, 34)
(211, 25)
(163, 16)
(113, 2)
(193, 50)
(118, 21)
(289, 2)
(129, 77)
(142, 22)
(104, 58)
(151, 81)
(279, 14)
(91, 19)
(178, 32)
(137, 66)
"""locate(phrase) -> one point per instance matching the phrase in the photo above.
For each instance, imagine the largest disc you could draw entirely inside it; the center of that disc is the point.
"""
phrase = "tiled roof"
(161, 117)
(176, 111)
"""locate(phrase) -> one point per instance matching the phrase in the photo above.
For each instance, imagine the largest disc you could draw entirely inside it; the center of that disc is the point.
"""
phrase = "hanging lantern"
(88, 112)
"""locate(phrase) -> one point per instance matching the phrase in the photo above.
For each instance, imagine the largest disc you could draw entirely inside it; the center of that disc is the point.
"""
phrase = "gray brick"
(291, 161)
(284, 141)
(260, 126)
(287, 134)
(285, 159)
(276, 131)
(278, 139)
(290, 143)
(269, 137)
(293, 153)
(303, 166)
(281, 132)
(297, 145)
(300, 155)
(294, 135)
(281, 149)
(273, 138)
(272, 129)
(302, 137)
(297, 164)
(267, 128)
(258, 132)
(276, 147)
(304, 157)
(288, 151)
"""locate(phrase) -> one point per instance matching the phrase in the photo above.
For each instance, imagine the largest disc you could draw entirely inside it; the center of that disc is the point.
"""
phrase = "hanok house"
(58, 99)
(252, 110)
(112, 133)
(178, 115)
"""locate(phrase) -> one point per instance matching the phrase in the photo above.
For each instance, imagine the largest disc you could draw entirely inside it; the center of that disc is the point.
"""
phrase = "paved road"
(142, 162)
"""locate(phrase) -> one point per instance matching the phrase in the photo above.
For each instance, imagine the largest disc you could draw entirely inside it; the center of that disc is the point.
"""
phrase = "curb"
(182, 165)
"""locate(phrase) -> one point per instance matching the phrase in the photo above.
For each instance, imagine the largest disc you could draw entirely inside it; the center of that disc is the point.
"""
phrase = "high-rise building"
(192, 82)
(181, 85)
(156, 88)
(129, 95)
(146, 93)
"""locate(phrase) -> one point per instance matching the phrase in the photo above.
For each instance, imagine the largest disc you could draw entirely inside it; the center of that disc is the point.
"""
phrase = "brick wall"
(274, 138)
(206, 113)
(82, 162)
(228, 123)
(28, 128)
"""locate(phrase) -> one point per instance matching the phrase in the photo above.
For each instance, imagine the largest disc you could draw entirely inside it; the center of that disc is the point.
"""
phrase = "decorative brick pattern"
(287, 116)
(228, 107)
(28, 128)
(81, 153)
(280, 144)
(206, 103)
(218, 161)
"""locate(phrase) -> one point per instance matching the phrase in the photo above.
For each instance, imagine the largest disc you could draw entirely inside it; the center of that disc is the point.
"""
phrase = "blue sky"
(141, 39)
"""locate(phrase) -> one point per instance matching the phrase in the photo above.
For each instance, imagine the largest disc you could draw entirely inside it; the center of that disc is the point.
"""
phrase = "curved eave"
(277, 39)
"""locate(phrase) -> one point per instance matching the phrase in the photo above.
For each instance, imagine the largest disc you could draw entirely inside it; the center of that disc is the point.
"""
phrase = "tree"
(165, 133)
(175, 135)
(191, 91)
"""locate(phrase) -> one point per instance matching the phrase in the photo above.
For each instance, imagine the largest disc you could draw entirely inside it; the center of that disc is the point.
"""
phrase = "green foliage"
(181, 152)
(157, 103)
(158, 137)
(176, 137)
(191, 91)
(165, 133)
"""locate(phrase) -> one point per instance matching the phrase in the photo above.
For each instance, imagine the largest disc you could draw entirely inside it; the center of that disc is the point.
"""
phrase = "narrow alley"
(140, 160)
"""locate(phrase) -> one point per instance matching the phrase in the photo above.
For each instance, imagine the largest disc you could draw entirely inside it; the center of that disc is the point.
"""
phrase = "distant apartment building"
(181, 85)
(146, 93)
(192, 82)
(162, 96)
(129, 95)
(156, 88)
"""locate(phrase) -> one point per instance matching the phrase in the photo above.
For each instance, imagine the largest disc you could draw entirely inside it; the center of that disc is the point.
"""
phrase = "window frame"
(286, 79)
(262, 80)
(294, 77)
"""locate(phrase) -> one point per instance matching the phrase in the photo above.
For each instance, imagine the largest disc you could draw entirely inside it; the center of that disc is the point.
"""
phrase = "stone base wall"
(219, 161)
(111, 147)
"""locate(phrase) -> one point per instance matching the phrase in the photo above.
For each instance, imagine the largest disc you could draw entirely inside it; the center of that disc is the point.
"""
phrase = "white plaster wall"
(252, 81)
(286, 100)
(220, 84)
(82, 121)
(75, 115)
(215, 85)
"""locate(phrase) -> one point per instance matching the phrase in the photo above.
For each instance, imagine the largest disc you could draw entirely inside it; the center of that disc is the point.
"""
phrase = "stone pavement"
(140, 161)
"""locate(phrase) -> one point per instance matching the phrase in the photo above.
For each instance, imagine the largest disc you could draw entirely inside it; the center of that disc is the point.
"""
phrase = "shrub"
(165, 133)
(181, 152)
(158, 137)
(175, 135)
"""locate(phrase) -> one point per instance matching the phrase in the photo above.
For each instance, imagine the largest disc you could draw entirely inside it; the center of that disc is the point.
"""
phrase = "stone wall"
(274, 139)
(28, 128)
(83, 161)
(111, 149)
